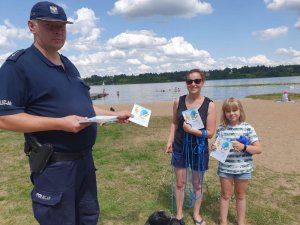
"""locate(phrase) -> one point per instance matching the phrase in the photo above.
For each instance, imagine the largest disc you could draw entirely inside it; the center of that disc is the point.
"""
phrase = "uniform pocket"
(49, 208)
(46, 198)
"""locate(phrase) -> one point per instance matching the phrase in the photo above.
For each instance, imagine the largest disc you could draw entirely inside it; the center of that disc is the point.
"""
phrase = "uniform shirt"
(30, 83)
(237, 162)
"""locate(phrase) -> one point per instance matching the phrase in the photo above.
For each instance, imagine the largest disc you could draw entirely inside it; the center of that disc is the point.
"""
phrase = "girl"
(237, 169)
(206, 109)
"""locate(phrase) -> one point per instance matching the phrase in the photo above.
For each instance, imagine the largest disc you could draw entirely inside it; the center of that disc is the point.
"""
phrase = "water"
(160, 92)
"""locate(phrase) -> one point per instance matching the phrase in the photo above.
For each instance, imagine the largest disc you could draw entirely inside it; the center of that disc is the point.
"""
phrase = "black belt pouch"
(39, 157)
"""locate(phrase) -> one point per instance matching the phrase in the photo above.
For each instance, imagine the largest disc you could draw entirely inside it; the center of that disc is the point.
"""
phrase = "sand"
(276, 123)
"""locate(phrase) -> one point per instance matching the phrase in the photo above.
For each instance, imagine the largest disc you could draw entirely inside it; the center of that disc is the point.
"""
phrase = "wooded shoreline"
(178, 76)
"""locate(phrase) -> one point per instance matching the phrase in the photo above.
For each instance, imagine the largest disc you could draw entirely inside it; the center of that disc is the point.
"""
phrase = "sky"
(153, 36)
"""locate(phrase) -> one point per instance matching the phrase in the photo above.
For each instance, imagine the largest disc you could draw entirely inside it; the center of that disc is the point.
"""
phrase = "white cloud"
(145, 8)
(144, 68)
(236, 59)
(288, 52)
(9, 33)
(240, 61)
(133, 61)
(259, 60)
(85, 27)
(144, 51)
(132, 52)
(99, 63)
(150, 59)
(283, 4)
(85, 24)
(89, 59)
(177, 47)
(158, 53)
(136, 52)
(135, 39)
(117, 54)
(166, 66)
(289, 55)
(271, 33)
(292, 5)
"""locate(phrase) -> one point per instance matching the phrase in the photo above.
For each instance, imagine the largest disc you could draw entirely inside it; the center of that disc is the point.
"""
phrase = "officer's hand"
(123, 116)
(71, 124)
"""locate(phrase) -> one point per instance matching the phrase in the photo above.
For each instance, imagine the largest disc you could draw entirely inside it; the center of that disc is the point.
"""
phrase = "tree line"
(227, 73)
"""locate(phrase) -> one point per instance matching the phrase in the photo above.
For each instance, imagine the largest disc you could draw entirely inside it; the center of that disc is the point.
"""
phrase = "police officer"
(43, 96)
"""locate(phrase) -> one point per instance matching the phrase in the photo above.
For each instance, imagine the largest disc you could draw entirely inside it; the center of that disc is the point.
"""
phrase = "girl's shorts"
(241, 176)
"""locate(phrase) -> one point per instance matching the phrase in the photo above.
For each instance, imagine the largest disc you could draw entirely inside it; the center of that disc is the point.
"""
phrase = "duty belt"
(63, 156)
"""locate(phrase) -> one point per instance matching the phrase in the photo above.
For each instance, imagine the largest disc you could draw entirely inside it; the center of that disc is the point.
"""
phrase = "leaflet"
(141, 115)
(223, 147)
(101, 119)
(192, 117)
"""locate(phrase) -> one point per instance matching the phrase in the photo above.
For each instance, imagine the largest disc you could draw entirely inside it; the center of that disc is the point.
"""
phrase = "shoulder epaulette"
(15, 56)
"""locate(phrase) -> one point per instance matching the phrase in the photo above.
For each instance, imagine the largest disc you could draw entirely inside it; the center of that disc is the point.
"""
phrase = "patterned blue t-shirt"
(237, 162)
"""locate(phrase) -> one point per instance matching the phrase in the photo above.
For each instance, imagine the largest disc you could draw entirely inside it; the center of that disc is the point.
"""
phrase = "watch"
(245, 148)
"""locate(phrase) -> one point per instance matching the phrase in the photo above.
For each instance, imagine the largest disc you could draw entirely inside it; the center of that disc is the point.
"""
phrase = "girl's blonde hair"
(232, 104)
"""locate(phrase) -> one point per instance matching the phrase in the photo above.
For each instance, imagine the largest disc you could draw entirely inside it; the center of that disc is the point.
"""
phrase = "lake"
(160, 92)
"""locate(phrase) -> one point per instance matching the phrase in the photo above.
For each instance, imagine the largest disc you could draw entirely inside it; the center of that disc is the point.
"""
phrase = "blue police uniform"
(65, 193)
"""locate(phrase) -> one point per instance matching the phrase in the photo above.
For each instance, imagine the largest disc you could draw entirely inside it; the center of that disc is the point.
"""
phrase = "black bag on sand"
(161, 218)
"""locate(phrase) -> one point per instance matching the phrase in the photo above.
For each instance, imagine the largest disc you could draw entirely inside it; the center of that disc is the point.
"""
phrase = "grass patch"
(134, 179)
(274, 96)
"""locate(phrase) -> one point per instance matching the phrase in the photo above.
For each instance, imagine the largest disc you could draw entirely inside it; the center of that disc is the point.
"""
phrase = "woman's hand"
(169, 148)
(187, 128)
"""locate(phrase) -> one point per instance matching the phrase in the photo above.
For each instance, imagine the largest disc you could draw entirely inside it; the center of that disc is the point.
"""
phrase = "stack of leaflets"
(223, 147)
(101, 119)
(141, 115)
(192, 117)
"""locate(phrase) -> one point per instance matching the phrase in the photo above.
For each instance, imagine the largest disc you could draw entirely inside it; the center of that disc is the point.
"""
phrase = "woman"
(176, 143)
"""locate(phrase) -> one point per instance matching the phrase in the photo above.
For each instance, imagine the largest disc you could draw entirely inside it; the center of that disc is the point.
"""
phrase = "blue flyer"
(223, 147)
(141, 115)
(192, 117)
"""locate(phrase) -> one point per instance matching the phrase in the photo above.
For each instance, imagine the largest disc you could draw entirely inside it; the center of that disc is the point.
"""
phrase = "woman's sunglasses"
(197, 81)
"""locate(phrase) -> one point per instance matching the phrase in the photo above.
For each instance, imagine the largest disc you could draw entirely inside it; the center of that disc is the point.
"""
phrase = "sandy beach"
(276, 123)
